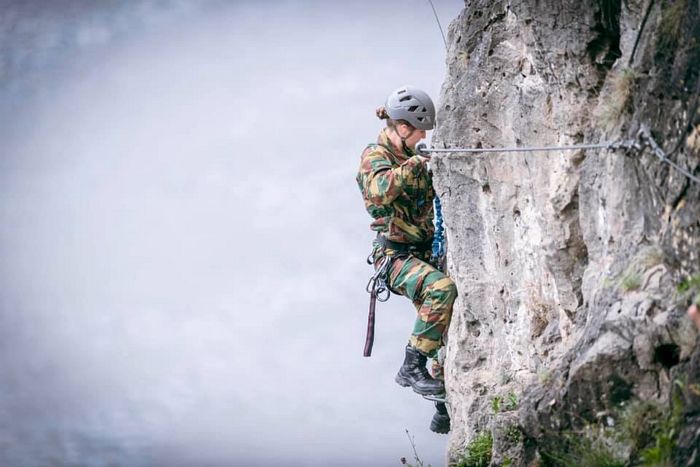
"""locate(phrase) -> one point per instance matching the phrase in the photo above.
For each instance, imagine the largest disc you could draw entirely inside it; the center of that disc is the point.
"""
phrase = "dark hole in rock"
(486, 188)
(668, 355)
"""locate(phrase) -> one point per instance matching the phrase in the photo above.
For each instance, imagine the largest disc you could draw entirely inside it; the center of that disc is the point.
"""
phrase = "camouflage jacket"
(398, 192)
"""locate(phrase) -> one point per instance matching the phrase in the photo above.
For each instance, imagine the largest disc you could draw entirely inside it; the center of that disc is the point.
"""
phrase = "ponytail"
(382, 114)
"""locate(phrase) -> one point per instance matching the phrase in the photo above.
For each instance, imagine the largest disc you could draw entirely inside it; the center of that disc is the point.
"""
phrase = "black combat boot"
(441, 420)
(414, 373)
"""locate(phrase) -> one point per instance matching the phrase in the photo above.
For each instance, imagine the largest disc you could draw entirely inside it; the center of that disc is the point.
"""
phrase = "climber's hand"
(421, 150)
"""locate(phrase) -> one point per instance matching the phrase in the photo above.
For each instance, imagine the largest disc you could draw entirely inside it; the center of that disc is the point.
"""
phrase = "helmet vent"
(412, 105)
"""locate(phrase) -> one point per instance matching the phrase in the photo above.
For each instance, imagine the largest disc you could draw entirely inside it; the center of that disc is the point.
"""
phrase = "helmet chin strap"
(404, 147)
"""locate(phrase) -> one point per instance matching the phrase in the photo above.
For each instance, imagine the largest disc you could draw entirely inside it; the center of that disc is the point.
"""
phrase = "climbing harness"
(377, 283)
(377, 286)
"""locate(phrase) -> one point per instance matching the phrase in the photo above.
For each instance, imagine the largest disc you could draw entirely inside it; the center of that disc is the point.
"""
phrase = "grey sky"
(182, 240)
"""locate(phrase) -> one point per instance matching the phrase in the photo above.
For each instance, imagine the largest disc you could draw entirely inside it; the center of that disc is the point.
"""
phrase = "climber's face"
(411, 135)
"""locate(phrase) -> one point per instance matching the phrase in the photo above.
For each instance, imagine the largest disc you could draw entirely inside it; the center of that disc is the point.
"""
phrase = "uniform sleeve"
(381, 183)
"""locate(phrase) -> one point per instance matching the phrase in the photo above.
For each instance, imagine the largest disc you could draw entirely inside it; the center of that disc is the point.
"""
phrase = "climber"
(396, 186)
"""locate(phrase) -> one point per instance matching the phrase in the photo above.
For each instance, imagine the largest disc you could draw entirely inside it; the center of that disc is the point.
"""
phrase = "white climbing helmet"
(413, 105)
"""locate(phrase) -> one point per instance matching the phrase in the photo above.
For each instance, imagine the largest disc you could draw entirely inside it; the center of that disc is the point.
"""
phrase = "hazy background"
(182, 242)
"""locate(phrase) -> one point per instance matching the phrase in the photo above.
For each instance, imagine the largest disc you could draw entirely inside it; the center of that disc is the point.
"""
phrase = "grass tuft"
(671, 19)
(478, 451)
(592, 447)
(631, 281)
(645, 434)
(620, 98)
(504, 404)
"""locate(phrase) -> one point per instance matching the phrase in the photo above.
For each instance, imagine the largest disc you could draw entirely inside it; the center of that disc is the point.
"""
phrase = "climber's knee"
(442, 293)
(426, 345)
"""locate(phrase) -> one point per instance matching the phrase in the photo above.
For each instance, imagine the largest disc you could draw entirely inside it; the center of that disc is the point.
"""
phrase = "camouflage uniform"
(398, 193)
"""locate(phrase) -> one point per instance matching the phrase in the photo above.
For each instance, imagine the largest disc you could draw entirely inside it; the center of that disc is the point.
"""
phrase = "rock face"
(570, 322)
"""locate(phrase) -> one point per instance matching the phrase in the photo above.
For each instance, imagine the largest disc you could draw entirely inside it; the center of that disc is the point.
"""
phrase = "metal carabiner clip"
(383, 293)
(377, 283)
(371, 284)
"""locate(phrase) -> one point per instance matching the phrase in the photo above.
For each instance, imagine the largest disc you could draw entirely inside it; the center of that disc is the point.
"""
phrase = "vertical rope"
(438, 22)
(639, 34)
(438, 239)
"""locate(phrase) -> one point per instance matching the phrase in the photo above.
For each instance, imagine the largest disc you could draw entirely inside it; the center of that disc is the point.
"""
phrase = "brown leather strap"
(369, 340)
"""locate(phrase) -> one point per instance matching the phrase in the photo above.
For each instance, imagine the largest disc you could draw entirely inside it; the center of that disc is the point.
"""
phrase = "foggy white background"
(182, 243)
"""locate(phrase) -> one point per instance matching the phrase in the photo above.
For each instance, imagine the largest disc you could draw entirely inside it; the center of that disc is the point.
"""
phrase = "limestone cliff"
(570, 329)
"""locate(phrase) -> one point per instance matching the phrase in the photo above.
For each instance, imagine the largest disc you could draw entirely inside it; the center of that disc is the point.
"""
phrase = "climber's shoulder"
(376, 157)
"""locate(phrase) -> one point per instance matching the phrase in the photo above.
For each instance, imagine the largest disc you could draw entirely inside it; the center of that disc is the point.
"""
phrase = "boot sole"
(401, 381)
(440, 423)
(440, 430)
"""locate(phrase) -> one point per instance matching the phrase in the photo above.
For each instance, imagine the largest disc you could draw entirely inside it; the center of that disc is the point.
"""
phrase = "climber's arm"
(382, 183)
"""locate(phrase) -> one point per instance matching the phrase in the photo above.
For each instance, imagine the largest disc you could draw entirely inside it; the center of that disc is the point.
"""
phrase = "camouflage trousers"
(431, 292)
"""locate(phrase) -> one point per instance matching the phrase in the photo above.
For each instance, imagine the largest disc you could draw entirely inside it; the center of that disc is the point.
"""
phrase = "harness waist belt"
(403, 248)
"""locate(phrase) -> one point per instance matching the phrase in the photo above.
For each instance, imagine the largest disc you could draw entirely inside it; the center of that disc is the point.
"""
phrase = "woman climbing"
(396, 185)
